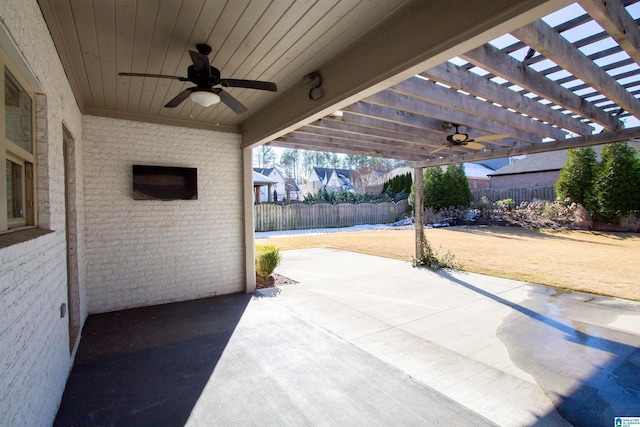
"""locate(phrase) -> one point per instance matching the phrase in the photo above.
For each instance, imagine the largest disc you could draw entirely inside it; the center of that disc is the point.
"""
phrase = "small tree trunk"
(418, 208)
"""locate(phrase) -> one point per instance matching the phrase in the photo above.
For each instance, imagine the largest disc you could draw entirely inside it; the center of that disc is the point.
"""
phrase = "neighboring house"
(333, 180)
(262, 187)
(495, 164)
(478, 175)
(535, 170)
(285, 188)
(266, 192)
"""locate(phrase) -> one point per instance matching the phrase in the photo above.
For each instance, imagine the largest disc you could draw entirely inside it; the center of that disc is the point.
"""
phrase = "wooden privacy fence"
(519, 195)
(299, 216)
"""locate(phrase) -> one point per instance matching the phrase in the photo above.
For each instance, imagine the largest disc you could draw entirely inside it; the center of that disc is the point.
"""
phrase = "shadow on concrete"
(519, 233)
(148, 366)
(553, 352)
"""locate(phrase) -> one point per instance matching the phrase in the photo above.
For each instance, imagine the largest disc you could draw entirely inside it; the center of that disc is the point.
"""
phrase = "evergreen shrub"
(268, 257)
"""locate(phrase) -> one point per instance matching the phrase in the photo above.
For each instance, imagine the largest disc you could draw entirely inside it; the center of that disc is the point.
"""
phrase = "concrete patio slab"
(516, 353)
(362, 340)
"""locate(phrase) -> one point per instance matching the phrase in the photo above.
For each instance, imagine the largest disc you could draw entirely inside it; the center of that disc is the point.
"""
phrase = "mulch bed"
(273, 281)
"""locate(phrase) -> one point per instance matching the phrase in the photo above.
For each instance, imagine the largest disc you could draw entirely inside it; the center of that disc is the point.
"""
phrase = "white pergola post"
(248, 196)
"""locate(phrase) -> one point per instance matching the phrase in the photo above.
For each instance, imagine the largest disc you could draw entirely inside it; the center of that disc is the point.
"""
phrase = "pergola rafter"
(430, 92)
(544, 39)
(509, 68)
(445, 114)
(613, 17)
(451, 75)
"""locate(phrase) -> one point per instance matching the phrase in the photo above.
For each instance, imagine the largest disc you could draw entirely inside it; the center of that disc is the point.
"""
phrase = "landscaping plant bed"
(272, 281)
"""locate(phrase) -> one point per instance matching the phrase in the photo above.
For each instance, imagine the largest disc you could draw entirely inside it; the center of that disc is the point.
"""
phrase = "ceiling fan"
(205, 77)
(457, 139)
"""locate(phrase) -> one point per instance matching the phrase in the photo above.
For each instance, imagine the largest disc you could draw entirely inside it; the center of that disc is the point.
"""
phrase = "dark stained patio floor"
(237, 360)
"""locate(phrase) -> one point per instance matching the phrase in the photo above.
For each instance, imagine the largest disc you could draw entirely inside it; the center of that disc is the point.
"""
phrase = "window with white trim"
(17, 150)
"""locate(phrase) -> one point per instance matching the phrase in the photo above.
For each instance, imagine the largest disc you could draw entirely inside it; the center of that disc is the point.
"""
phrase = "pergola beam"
(470, 82)
(403, 128)
(429, 91)
(509, 68)
(366, 140)
(392, 115)
(424, 137)
(577, 142)
(395, 100)
(616, 21)
(547, 41)
(376, 133)
(318, 137)
(380, 116)
(301, 144)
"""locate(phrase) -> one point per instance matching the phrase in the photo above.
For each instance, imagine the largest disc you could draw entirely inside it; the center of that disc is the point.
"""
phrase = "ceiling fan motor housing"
(457, 138)
(203, 81)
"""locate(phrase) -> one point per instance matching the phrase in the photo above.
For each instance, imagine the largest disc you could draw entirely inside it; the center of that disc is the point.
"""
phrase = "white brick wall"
(34, 347)
(34, 344)
(150, 252)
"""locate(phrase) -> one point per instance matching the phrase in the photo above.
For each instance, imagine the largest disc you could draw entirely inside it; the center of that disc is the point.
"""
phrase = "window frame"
(13, 152)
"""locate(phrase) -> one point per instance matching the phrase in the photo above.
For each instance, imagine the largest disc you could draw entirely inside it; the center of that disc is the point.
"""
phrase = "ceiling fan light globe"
(204, 98)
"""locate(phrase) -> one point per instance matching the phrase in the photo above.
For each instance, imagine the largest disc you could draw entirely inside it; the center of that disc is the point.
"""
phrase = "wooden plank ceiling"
(277, 41)
(567, 75)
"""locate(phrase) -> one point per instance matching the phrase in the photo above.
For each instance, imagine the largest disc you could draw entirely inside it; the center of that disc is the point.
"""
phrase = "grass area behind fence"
(600, 263)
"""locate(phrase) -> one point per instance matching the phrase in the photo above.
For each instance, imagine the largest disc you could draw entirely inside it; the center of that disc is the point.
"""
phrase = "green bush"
(610, 189)
(577, 177)
(268, 257)
(445, 189)
(399, 184)
(617, 186)
(344, 196)
(484, 203)
(506, 205)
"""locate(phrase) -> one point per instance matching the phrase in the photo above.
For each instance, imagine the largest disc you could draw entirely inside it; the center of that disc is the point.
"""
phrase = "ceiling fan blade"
(159, 76)
(179, 98)
(439, 149)
(200, 63)
(249, 84)
(231, 102)
(489, 137)
(474, 145)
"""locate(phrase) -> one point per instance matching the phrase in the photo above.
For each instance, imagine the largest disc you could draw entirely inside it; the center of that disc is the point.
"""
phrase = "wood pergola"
(569, 80)
(544, 90)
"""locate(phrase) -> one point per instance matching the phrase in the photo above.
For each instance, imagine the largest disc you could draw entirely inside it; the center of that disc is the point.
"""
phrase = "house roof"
(264, 171)
(542, 162)
(260, 179)
(495, 164)
(325, 173)
(476, 170)
(290, 184)
(551, 161)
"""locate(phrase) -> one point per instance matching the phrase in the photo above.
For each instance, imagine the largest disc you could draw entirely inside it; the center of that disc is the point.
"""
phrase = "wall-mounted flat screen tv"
(164, 183)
